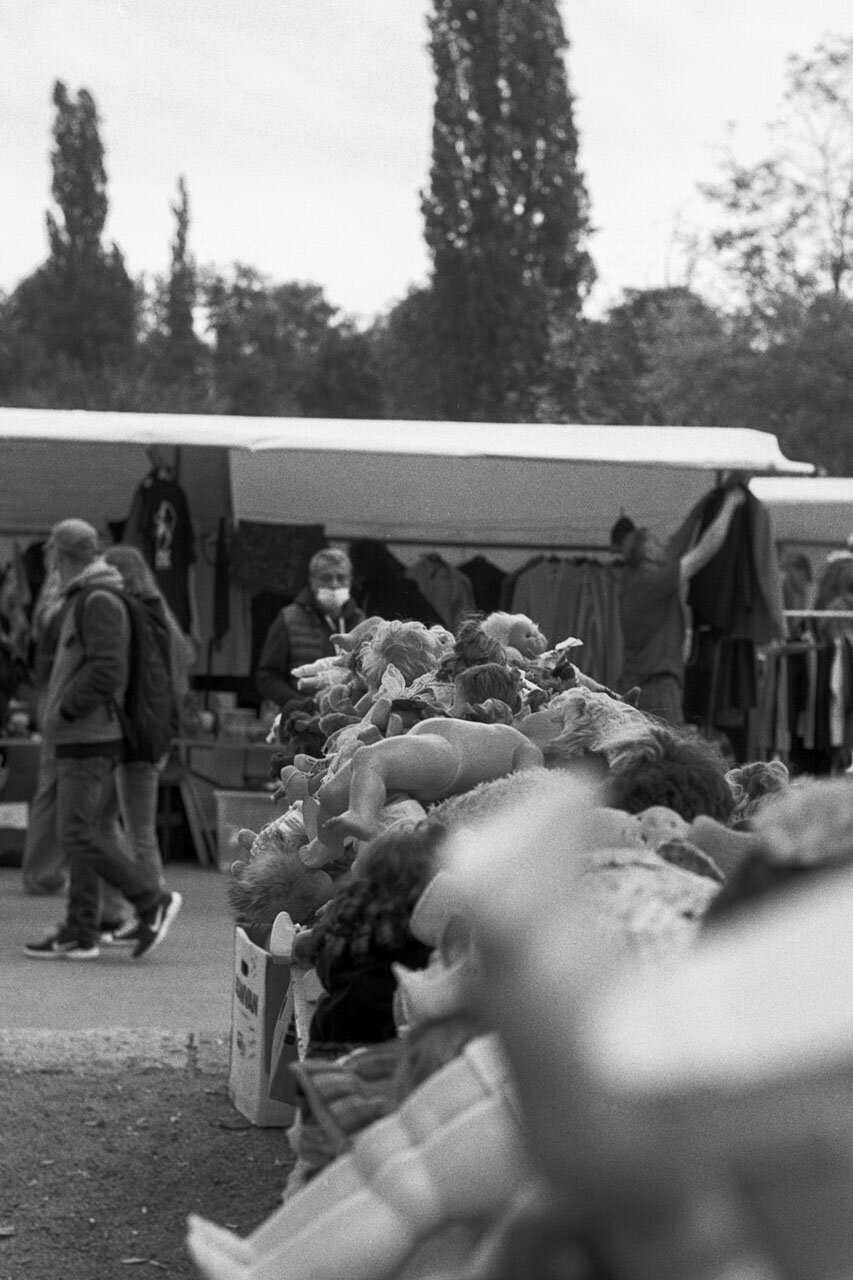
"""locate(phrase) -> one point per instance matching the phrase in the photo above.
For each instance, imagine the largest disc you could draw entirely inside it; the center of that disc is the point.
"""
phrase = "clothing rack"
(819, 613)
(494, 546)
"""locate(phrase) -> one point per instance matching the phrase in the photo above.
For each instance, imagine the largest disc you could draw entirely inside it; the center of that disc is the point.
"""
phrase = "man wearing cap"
(81, 729)
(651, 611)
(302, 631)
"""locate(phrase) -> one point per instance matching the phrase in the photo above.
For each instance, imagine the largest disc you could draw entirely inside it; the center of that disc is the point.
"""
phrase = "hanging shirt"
(159, 524)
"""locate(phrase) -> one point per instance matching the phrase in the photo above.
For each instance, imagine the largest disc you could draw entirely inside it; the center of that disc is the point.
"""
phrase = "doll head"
(371, 910)
(489, 680)
(516, 632)
(413, 648)
(471, 648)
(270, 877)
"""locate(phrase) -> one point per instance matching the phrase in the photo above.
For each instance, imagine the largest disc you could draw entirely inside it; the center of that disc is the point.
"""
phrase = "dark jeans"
(86, 812)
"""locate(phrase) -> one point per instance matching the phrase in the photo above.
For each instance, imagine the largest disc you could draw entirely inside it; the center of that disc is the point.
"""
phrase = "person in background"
(43, 867)
(81, 730)
(651, 610)
(798, 589)
(136, 782)
(302, 631)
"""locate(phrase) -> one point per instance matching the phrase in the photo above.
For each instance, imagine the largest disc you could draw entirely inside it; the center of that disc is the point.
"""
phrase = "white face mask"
(331, 599)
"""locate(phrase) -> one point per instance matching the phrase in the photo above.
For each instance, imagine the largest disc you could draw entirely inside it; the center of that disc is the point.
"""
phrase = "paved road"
(184, 986)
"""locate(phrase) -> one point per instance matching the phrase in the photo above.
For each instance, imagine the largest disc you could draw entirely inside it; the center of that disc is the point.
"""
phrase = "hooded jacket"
(89, 673)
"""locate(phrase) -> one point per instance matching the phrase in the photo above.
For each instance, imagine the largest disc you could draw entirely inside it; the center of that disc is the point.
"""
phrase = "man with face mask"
(301, 632)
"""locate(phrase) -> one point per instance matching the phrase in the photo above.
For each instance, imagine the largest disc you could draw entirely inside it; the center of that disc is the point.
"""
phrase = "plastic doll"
(435, 759)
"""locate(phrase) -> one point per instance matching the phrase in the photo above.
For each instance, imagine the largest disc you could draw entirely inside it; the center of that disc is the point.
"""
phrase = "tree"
(81, 303)
(787, 227)
(341, 381)
(266, 340)
(410, 361)
(182, 288)
(506, 211)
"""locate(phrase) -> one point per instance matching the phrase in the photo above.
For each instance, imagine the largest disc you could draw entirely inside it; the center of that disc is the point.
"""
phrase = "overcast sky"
(303, 126)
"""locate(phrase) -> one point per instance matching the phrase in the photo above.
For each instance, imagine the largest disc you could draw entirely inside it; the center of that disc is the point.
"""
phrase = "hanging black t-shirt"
(159, 524)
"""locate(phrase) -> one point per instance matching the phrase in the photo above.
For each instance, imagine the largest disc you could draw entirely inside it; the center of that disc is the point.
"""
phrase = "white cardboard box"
(261, 990)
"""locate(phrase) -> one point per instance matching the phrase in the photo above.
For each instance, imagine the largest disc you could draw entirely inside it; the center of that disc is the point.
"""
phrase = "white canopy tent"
(437, 483)
(808, 511)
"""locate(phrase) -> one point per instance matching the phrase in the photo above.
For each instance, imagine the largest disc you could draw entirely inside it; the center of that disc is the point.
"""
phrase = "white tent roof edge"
(699, 448)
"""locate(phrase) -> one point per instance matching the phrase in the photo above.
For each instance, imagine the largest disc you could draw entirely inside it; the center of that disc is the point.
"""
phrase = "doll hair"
(472, 648)
(489, 680)
(371, 911)
(686, 774)
(413, 648)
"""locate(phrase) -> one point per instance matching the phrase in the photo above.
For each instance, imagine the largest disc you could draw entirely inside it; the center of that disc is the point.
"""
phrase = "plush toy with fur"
(685, 774)
(271, 877)
(751, 785)
(581, 723)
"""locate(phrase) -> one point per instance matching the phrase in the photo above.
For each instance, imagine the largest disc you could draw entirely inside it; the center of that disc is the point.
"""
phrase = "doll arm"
(422, 766)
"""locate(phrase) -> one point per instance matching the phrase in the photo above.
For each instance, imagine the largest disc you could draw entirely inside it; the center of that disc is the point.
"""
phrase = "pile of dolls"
(581, 980)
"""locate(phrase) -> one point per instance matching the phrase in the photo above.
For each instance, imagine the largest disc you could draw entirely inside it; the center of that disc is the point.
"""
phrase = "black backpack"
(149, 717)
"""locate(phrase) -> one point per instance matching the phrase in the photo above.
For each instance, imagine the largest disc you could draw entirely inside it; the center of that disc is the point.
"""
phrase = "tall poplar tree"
(181, 289)
(80, 303)
(506, 212)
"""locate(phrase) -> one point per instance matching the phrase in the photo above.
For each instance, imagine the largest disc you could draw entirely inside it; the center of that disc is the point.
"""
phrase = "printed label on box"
(15, 816)
(260, 990)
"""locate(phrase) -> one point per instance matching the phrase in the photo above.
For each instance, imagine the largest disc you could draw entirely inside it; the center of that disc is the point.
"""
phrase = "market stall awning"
(810, 510)
(476, 484)
(470, 483)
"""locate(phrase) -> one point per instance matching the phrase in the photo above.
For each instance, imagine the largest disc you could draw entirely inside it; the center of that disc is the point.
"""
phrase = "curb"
(117, 1047)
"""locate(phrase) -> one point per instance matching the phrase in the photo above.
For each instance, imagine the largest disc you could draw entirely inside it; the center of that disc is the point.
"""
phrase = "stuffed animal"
(751, 784)
(435, 759)
(272, 877)
(664, 767)
(582, 723)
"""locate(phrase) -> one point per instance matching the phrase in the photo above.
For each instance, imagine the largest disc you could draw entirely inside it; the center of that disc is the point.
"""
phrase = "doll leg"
(422, 765)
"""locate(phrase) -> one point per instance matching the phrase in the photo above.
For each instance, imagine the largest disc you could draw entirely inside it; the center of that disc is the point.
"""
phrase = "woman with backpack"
(137, 777)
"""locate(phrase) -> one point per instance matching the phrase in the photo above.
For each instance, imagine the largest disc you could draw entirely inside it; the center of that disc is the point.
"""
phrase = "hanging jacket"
(739, 592)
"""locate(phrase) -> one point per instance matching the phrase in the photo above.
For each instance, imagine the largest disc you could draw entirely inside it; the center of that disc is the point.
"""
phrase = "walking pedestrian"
(81, 724)
(137, 781)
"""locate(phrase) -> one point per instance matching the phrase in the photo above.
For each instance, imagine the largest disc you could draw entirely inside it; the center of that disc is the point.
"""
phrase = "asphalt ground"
(182, 988)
